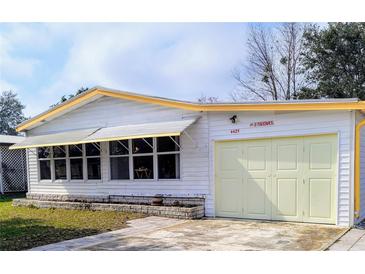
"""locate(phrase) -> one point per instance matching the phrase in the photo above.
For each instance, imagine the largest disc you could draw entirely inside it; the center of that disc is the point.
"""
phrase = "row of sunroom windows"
(133, 159)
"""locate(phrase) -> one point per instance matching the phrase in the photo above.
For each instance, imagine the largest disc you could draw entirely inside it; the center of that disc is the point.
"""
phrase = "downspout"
(357, 168)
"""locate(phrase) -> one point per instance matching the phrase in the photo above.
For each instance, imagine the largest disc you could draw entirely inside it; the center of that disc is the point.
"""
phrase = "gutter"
(357, 168)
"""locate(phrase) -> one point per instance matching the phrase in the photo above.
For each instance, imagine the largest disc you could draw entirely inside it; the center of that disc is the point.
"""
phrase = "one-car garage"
(291, 179)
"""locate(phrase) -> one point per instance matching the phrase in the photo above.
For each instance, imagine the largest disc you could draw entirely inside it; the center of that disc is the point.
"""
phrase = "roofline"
(348, 104)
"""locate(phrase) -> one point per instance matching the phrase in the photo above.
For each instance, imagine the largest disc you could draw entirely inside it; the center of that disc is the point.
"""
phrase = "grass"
(26, 227)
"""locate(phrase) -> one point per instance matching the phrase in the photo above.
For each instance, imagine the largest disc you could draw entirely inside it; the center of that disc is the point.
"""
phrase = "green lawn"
(25, 227)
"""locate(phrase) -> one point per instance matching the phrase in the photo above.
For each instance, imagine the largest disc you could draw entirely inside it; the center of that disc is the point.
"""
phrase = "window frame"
(154, 154)
(50, 159)
(68, 166)
(169, 153)
(130, 163)
(53, 165)
(85, 166)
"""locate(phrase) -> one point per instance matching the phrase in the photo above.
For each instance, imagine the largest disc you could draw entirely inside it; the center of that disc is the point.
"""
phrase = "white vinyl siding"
(293, 124)
(106, 111)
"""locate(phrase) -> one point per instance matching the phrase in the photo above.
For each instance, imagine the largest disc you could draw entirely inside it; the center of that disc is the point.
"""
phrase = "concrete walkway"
(135, 227)
(159, 233)
(353, 240)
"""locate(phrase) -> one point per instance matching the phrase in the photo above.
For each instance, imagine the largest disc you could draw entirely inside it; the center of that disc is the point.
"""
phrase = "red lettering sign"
(262, 124)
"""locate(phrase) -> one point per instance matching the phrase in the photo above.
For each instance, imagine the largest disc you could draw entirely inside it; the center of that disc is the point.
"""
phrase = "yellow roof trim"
(300, 106)
(56, 110)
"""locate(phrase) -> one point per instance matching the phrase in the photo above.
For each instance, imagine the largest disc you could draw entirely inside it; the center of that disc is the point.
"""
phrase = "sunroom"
(144, 152)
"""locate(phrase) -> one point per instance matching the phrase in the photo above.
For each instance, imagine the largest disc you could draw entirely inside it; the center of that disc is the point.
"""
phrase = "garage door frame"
(321, 133)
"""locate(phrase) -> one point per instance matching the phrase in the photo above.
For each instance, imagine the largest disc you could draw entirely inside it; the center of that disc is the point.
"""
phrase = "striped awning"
(133, 131)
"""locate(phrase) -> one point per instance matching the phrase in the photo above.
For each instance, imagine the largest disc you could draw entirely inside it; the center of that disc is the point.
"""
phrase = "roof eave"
(282, 106)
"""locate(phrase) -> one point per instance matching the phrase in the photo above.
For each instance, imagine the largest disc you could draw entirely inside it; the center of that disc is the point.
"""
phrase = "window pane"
(119, 167)
(143, 167)
(60, 169)
(45, 170)
(59, 152)
(44, 152)
(140, 145)
(75, 150)
(76, 169)
(92, 149)
(93, 169)
(118, 147)
(169, 166)
(166, 144)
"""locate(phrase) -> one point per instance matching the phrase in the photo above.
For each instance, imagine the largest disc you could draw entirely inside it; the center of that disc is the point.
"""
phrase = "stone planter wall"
(194, 212)
(120, 199)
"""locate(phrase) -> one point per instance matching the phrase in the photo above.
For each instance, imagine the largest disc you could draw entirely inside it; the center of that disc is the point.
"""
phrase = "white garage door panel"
(291, 179)
(285, 207)
(256, 179)
(320, 198)
(230, 202)
(229, 180)
(287, 155)
(319, 171)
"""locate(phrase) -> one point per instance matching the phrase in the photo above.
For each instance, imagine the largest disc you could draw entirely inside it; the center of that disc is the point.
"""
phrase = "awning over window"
(57, 139)
(168, 128)
(173, 128)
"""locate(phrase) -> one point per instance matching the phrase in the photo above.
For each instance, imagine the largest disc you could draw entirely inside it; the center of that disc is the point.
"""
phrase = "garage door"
(290, 179)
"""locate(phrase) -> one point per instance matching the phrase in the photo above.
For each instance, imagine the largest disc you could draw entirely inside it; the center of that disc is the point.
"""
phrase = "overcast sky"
(41, 62)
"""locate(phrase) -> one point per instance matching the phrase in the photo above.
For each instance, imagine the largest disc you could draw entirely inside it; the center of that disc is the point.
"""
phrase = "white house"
(292, 160)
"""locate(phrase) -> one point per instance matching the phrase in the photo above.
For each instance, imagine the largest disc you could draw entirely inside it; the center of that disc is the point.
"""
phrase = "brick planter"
(179, 212)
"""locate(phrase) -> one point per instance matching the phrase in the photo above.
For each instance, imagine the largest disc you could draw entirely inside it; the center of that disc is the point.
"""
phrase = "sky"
(43, 61)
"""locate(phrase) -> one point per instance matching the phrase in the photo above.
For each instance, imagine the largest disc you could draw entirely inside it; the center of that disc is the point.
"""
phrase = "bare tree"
(272, 70)
(203, 99)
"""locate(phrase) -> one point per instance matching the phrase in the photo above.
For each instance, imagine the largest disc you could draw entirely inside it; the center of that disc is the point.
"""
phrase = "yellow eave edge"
(356, 105)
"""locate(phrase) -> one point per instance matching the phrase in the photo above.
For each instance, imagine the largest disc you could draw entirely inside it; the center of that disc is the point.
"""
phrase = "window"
(168, 157)
(45, 170)
(44, 157)
(168, 166)
(59, 156)
(119, 160)
(93, 161)
(70, 162)
(76, 166)
(142, 158)
(75, 152)
(143, 167)
(143, 145)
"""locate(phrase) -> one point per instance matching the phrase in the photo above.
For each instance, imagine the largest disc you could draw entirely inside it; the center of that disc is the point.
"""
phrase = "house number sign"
(235, 131)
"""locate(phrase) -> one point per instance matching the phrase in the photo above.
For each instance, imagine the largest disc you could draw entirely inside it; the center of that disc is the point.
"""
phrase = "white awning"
(171, 128)
(134, 131)
(57, 139)
(10, 139)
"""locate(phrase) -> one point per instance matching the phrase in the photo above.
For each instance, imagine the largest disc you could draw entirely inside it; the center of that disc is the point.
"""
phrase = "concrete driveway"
(157, 233)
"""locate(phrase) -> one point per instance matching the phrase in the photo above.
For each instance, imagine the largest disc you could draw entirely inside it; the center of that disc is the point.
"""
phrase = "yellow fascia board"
(56, 110)
(300, 106)
(238, 107)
